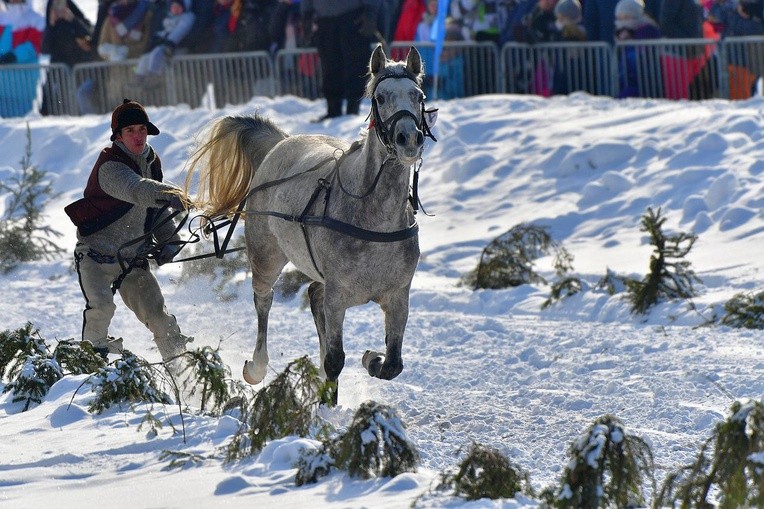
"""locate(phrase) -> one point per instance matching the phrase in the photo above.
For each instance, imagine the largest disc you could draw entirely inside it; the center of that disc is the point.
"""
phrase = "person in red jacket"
(124, 198)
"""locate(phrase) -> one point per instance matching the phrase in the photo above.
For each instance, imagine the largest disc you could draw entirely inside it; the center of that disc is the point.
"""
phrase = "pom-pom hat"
(130, 113)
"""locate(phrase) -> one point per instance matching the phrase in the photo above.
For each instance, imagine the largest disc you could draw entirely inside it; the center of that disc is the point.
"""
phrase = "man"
(123, 199)
(344, 32)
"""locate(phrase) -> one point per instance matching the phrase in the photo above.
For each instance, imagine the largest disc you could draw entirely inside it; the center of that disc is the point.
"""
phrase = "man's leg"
(141, 293)
(95, 281)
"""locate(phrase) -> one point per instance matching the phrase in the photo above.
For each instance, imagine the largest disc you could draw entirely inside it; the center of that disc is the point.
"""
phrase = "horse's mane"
(392, 69)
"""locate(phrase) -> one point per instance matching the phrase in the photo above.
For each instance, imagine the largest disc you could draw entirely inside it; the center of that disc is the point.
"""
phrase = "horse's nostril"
(419, 138)
(400, 139)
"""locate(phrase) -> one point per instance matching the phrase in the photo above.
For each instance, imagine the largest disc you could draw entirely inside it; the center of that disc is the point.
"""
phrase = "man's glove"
(367, 24)
(167, 253)
(8, 58)
(176, 203)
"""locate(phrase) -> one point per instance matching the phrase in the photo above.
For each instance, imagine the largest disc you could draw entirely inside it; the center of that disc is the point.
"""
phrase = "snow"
(485, 366)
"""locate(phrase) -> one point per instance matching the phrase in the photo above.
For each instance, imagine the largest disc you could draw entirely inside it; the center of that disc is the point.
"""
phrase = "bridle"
(386, 128)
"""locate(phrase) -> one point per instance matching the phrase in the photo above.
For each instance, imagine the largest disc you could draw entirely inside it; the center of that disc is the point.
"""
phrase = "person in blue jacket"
(21, 31)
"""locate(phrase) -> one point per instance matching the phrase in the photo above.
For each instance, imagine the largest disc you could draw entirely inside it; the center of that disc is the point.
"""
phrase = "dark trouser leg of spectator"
(330, 52)
(344, 57)
(356, 52)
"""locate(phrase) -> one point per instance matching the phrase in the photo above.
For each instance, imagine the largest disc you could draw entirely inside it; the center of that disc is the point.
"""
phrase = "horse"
(341, 213)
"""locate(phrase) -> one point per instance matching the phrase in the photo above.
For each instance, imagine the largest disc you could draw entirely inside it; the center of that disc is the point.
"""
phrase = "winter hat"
(130, 113)
(570, 9)
(630, 9)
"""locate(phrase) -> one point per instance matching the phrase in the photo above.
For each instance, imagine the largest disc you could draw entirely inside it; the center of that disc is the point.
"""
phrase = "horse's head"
(397, 104)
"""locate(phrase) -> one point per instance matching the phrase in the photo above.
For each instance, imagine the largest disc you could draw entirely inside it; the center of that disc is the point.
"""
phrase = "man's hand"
(167, 253)
(176, 203)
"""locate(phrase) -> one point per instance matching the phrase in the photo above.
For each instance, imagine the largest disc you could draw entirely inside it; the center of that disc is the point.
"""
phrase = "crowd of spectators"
(153, 31)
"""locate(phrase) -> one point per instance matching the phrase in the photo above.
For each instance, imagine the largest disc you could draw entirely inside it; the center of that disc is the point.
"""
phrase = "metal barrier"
(558, 68)
(466, 68)
(226, 78)
(668, 68)
(741, 64)
(298, 72)
(20, 89)
(105, 84)
(660, 68)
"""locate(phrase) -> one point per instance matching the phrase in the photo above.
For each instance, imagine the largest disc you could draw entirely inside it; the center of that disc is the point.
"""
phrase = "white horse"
(340, 212)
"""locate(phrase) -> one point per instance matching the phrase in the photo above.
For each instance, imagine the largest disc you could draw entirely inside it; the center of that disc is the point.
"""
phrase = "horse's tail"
(227, 161)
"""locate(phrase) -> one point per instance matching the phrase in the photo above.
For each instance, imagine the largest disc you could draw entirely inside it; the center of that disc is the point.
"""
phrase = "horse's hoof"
(249, 377)
(373, 361)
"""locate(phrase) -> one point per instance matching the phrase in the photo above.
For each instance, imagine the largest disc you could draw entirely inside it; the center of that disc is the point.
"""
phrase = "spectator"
(285, 26)
(21, 31)
(632, 23)
(480, 19)
(222, 26)
(681, 19)
(539, 24)
(451, 66)
(568, 22)
(599, 17)
(175, 26)
(252, 26)
(389, 14)
(126, 30)
(685, 71)
(409, 19)
(557, 72)
(67, 39)
(742, 19)
(344, 32)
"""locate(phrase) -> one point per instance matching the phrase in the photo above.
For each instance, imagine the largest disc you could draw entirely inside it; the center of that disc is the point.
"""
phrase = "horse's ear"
(414, 62)
(378, 60)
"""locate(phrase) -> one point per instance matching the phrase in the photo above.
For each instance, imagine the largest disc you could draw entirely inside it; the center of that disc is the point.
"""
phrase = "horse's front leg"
(334, 316)
(255, 370)
(316, 295)
(390, 365)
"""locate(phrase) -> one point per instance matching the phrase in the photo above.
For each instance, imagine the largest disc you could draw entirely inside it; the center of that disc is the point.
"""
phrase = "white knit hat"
(630, 8)
(570, 9)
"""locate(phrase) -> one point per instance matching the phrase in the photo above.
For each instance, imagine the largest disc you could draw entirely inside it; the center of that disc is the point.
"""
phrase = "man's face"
(134, 137)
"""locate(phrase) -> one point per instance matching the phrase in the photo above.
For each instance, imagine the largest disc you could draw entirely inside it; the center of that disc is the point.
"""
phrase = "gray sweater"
(121, 182)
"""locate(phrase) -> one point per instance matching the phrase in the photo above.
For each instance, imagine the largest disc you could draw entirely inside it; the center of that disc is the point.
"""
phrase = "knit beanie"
(630, 8)
(130, 113)
(570, 9)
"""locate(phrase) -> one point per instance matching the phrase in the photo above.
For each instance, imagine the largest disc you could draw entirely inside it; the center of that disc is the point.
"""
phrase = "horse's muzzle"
(409, 141)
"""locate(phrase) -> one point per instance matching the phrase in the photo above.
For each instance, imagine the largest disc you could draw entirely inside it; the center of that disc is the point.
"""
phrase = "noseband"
(386, 128)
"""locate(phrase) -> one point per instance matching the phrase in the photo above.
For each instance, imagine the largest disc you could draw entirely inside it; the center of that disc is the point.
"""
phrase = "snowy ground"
(484, 366)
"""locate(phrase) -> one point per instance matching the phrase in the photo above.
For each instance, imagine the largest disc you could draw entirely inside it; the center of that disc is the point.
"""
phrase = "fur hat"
(570, 9)
(630, 8)
(130, 113)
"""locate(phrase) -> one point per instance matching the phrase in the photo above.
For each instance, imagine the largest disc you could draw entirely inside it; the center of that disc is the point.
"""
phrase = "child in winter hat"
(568, 11)
(629, 13)
(568, 20)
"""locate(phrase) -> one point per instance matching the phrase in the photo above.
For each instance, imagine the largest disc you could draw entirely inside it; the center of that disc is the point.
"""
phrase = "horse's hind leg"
(266, 261)
(390, 365)
(255, 370)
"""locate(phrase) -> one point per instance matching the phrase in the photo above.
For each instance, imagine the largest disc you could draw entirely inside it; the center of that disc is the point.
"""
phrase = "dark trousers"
(344, 55)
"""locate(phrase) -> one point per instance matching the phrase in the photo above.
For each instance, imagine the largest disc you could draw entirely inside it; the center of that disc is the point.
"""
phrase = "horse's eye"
(380, 99)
